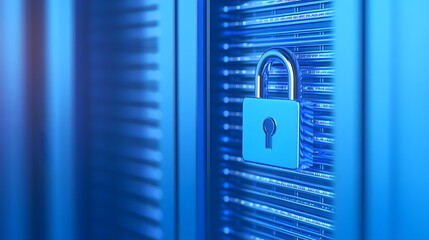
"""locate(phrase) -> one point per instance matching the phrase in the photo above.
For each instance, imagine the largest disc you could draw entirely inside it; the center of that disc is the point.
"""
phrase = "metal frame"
(167, 85)
(379, 132)
(60, 118)
(349, 100)
(202, 120)
(186, 61)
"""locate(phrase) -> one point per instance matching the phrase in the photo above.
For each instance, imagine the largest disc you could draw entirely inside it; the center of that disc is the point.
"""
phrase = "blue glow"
(60, 102)
(14, 189)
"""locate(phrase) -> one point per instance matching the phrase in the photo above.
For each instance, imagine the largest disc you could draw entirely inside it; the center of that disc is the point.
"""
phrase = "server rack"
(126, 119)
(251, 201)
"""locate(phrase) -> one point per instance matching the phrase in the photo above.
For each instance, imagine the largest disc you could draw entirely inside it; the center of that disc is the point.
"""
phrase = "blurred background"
(122, 119)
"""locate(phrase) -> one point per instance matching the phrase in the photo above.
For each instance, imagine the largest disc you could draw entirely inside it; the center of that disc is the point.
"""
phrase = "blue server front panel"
(253, 201)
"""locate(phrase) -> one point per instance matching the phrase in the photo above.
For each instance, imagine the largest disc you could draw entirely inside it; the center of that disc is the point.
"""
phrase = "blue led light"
(280, 19)
(283, 213)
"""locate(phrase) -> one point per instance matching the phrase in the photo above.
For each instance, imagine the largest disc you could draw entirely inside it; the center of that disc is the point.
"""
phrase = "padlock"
(271, 126)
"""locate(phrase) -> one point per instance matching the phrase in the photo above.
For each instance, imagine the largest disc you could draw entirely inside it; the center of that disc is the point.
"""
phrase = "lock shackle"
(287, 58)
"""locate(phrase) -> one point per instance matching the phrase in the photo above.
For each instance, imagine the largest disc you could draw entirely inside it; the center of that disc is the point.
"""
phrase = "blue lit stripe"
(60, 108)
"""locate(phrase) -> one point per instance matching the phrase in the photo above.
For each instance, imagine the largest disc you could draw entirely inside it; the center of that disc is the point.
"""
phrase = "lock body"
(284, 151)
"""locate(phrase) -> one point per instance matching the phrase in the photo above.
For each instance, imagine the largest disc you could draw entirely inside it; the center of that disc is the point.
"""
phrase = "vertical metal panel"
(410, 116)
(82, 164)
(187, 106)
(396, 174)
(13, 200)
(36, 114)
(60, 118)
(128, 73)
(202, 119)
(348, 97)
(379, 132)
(167, 88)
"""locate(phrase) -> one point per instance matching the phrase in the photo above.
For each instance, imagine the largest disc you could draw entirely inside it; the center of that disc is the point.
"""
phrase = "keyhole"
(269, 129)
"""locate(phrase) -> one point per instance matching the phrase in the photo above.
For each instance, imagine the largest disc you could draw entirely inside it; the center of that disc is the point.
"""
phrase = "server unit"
(255, 201)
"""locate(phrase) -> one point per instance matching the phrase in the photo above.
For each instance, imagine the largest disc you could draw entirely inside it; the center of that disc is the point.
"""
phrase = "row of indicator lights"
(279, 71)
(256, 4)
(283, 213)
(276, 182)
(294, 199)
(280, 19)
(317, 42)
(301, 56)
(229, 157)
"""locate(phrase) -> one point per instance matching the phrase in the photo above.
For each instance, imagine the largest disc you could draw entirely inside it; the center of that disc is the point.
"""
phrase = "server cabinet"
(255, 201)
(125, 102)
(362, 67)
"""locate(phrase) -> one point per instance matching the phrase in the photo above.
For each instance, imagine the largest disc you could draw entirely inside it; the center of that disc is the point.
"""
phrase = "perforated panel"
(251, 201)
(124, 133)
